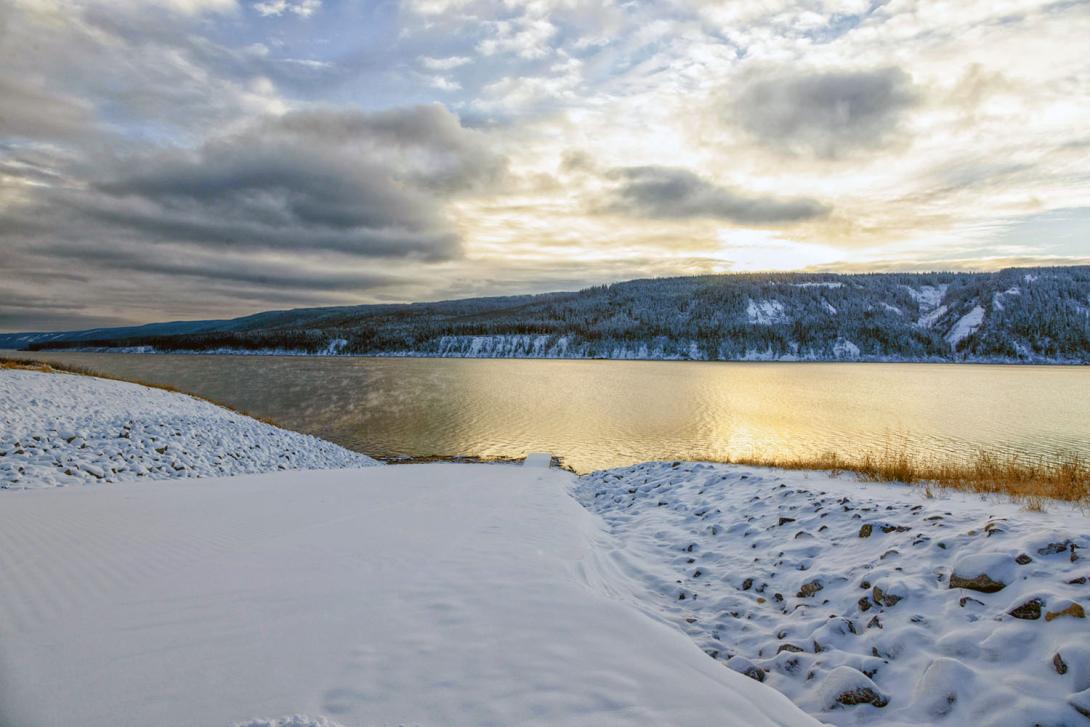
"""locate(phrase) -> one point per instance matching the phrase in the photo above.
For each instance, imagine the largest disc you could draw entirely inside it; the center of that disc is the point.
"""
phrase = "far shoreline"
(424, 357)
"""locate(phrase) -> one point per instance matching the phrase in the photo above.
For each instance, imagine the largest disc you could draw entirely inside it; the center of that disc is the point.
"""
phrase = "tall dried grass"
(1065, 476)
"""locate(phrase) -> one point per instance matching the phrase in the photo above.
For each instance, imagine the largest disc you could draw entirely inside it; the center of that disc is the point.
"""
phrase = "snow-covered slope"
(58, 429)
(1007, 315)
(949, 611)
(419, 594)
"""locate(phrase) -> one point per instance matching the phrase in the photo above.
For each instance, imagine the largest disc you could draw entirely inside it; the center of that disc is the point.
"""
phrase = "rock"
(789, 647)
(1054, 548)
(866, 530)
(1058, 664)
(1077, 581)
(981, 583)
(864, 604)
(1029, 611)
(1072, 609)
(1075, 656)
(938, 688)
(1023, 559)
(875, 622)
(984, 572)
(895, 528)
(809, 589)
(743, 665)
(747, 584)
(1081, 702)
(848, 687)
(969, 599)
(887, 594)
(785, 520)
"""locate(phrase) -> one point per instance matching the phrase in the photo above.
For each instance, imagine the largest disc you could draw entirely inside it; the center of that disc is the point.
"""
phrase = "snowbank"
(59, 429)
(863, 603)
(418, 594)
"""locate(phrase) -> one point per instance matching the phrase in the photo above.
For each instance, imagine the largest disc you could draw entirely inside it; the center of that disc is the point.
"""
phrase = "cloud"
(302, 8)
(33, 112)
(826, 114)
(674, 193)
(443, 64)
(175, 263)
(363, 184)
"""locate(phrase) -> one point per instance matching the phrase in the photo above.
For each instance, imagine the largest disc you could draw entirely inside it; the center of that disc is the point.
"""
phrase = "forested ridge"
(1023, 314)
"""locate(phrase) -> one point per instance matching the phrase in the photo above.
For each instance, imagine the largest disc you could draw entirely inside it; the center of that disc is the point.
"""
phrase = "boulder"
(940, 686)
(743, 665)
(848, 687)
(983, 572)
(1029, 610)
(1067, 608)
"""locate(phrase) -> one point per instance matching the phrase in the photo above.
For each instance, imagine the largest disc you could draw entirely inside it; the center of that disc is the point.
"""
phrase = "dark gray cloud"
(675, 193)
(364, 184)
(181, 263)
(30, 111)
(827, 114)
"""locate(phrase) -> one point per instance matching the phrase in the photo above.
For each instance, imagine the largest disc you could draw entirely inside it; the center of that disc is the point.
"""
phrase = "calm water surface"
(599, 414)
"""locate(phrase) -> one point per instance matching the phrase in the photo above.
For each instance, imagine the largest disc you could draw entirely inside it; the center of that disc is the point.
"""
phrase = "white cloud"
(443, 64)
(302, 8)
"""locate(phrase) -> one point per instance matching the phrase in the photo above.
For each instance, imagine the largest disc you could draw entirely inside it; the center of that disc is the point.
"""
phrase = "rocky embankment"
(863, 602)
(61, 429)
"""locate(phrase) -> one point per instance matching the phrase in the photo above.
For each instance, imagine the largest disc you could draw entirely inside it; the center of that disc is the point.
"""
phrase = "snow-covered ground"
(439, 594)
(58, 429)
(952, 610)
(486, 594)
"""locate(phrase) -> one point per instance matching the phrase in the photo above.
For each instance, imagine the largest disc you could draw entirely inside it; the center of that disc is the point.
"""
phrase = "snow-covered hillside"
(1014, 315)
(952, 610)
(58, 429)
(442, 594)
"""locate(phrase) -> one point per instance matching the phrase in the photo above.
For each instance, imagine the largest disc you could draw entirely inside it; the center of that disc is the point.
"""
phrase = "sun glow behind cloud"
(761, 250)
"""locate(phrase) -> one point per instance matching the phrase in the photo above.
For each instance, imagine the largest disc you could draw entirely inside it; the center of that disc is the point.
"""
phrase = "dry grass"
(50, 367)
(1032, 482)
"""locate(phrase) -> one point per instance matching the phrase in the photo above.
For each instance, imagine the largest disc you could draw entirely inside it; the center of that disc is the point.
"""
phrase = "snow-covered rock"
(843, 348)
(61, 429)
(749, 547)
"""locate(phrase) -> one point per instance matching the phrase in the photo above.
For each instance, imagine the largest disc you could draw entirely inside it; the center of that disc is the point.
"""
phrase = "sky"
(190, 159)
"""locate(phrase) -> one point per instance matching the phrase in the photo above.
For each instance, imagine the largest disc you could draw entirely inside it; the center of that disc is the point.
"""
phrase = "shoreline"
(424, 356)
(1034, 483)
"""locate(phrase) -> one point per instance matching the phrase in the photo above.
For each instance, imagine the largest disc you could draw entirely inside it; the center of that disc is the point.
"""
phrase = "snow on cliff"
(59, 429)
(965, 327)
(765, 312)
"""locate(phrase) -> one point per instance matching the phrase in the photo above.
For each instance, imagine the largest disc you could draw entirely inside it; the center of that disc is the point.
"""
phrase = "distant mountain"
(1024, 315)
